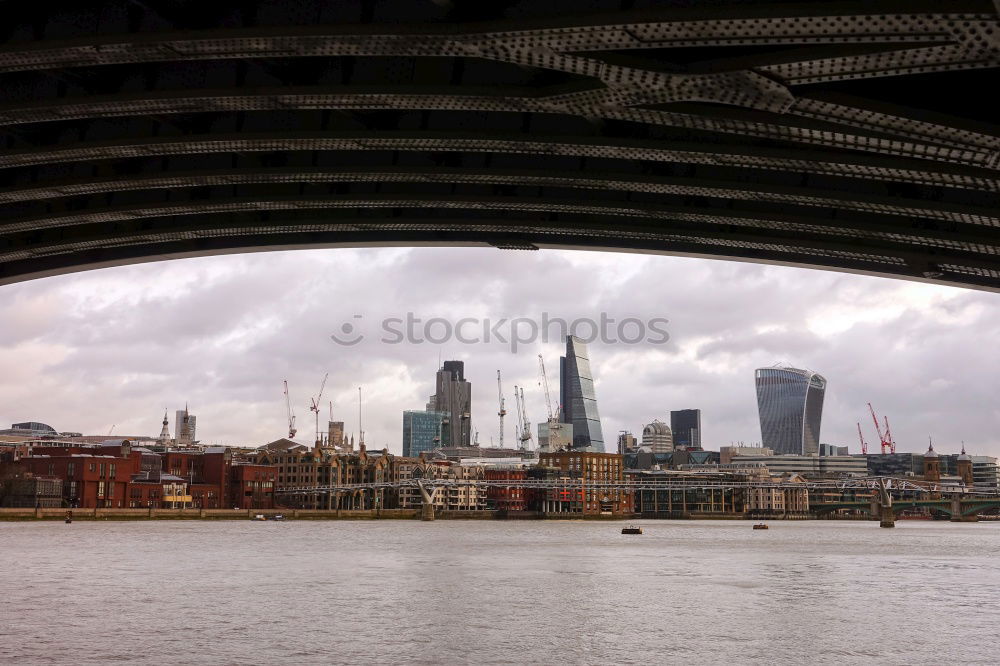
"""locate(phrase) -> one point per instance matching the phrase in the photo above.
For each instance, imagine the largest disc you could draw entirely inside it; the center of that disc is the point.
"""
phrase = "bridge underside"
(818, 134)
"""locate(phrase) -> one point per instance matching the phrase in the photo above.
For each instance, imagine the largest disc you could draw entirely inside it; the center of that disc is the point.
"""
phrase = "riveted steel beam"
(752, 158)
(624, 182)
(822, 134)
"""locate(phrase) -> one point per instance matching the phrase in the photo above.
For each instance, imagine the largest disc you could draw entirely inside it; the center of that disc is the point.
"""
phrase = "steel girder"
(846, 136)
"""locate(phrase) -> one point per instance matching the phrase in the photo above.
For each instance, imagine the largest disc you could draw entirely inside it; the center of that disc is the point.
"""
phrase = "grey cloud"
(224, 332)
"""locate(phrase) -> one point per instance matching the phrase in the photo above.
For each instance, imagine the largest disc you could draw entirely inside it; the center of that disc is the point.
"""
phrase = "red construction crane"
(888, 436)
(885, 440)
(864, 444)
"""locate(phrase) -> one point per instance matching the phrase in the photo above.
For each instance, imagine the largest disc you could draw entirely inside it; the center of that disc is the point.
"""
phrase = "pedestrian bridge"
(881, 496)
(850, 137)
(854, 485)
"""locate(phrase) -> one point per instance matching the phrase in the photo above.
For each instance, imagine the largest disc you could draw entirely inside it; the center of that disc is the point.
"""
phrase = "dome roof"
(963, 455)
(931, 453)
(656, 428)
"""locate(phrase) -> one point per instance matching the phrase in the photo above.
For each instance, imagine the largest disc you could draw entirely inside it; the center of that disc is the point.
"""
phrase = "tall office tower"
(657, 437)
(454, 396)
(686, 426)
(577, 397)
(424, 431)
(790, 402)
(626, 442)
(184, 427)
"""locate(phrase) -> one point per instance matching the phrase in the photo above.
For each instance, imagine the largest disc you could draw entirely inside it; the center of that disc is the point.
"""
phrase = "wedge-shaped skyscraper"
(576, 394)
(790, 402)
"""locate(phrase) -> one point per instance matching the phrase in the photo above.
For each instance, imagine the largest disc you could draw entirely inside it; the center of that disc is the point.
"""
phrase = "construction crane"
(517, 412)
(291, 416)
(885, 439)
(864, 444)
(545, 385)
(888, 435)
(525, 423)
(553, 427)
(503, 412)
(314, 407)
(361, 430)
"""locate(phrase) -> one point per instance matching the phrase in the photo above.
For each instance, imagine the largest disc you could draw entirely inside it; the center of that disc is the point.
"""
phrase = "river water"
(692, 592)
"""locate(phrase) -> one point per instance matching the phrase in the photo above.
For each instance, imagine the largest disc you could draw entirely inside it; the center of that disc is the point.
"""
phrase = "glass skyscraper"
(790, 402)
(577, 397)
(686, 427)
(424, 431)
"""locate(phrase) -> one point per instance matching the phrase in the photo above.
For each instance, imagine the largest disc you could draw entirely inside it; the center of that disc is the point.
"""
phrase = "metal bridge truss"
(842, 135)
(869, 483)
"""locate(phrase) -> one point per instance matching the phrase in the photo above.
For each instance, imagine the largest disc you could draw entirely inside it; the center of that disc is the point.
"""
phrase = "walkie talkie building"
(790, 402)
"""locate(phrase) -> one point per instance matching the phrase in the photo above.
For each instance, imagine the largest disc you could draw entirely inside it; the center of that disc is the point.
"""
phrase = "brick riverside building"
(779, 501)
(506, 499)
(469, 496)
(12, 451)
(118, 475)
(300, 467)
(208, 467)
(459, 498)
(251, 486)
(89, 481)
(160, 491)
(585, 466)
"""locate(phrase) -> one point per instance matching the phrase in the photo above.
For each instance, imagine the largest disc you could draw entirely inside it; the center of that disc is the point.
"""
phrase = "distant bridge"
(868, 483)
(885, 496)
(957, 506)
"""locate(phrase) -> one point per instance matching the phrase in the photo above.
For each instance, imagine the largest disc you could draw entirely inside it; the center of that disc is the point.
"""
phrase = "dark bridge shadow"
(781, 134)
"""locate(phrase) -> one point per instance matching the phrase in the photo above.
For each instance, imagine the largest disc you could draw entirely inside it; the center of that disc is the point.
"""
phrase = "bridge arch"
(188, 129)
(976, 507)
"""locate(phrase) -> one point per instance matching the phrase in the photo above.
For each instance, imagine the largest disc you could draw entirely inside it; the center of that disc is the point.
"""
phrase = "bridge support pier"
(427, 507)
(887, 518)
(956, 512)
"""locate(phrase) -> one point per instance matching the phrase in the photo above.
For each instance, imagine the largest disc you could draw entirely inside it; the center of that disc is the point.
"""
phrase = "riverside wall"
(56, 514)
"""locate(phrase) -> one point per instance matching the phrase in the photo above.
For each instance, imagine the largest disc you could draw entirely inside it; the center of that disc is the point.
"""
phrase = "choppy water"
(177, 593)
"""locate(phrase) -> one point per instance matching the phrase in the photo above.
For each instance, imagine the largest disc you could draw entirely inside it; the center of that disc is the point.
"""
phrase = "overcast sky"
(116, 346)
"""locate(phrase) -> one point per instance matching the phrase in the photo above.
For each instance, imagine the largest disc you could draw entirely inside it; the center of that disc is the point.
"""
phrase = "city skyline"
(89, 351)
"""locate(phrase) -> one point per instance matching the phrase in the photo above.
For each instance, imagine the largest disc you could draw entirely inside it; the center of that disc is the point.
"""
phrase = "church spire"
(164, 437)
